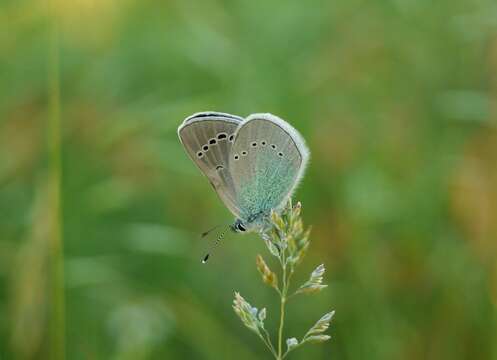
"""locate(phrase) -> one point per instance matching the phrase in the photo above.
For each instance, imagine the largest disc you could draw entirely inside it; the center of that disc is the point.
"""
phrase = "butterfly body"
(254, 164)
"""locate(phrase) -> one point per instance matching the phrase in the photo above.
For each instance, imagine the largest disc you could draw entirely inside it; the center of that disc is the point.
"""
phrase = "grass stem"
(57, 299)
(283, 294)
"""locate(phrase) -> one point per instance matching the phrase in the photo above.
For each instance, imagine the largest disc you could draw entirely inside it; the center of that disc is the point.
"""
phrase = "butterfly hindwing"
(267, 161)
(208, 138)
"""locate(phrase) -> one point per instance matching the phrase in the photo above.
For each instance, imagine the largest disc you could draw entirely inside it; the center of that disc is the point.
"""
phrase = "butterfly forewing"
(267, 161)
(208, 139)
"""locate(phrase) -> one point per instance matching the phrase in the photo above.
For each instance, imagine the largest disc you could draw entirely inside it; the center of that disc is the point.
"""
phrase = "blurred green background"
(397, 100)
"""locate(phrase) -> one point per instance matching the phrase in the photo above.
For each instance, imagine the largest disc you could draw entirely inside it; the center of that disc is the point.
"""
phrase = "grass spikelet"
(287, 240)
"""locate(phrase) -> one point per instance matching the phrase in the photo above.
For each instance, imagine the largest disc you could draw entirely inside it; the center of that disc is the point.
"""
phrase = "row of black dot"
(254, 144)
(213, 141)
(223, 136)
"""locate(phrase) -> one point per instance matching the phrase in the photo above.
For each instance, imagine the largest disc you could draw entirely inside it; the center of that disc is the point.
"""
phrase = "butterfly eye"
(240, 227)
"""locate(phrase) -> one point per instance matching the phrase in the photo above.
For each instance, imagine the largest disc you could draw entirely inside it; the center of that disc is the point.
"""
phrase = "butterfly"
(254, 164)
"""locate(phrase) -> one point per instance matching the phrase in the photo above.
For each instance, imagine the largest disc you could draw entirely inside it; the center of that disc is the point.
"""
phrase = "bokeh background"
(397, 100)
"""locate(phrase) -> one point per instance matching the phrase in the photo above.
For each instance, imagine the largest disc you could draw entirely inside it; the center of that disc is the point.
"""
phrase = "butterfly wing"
(208, 139)
(267, 161)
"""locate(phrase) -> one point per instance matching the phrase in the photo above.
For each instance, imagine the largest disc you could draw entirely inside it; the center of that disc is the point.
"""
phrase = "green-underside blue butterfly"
(254, 164)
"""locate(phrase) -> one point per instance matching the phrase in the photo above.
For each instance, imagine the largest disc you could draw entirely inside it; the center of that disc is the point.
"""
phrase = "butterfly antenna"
(218, 240)
(205, 233)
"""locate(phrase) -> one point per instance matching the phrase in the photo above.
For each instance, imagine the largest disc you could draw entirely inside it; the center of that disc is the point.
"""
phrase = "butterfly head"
(254, 223)
(239, 226)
